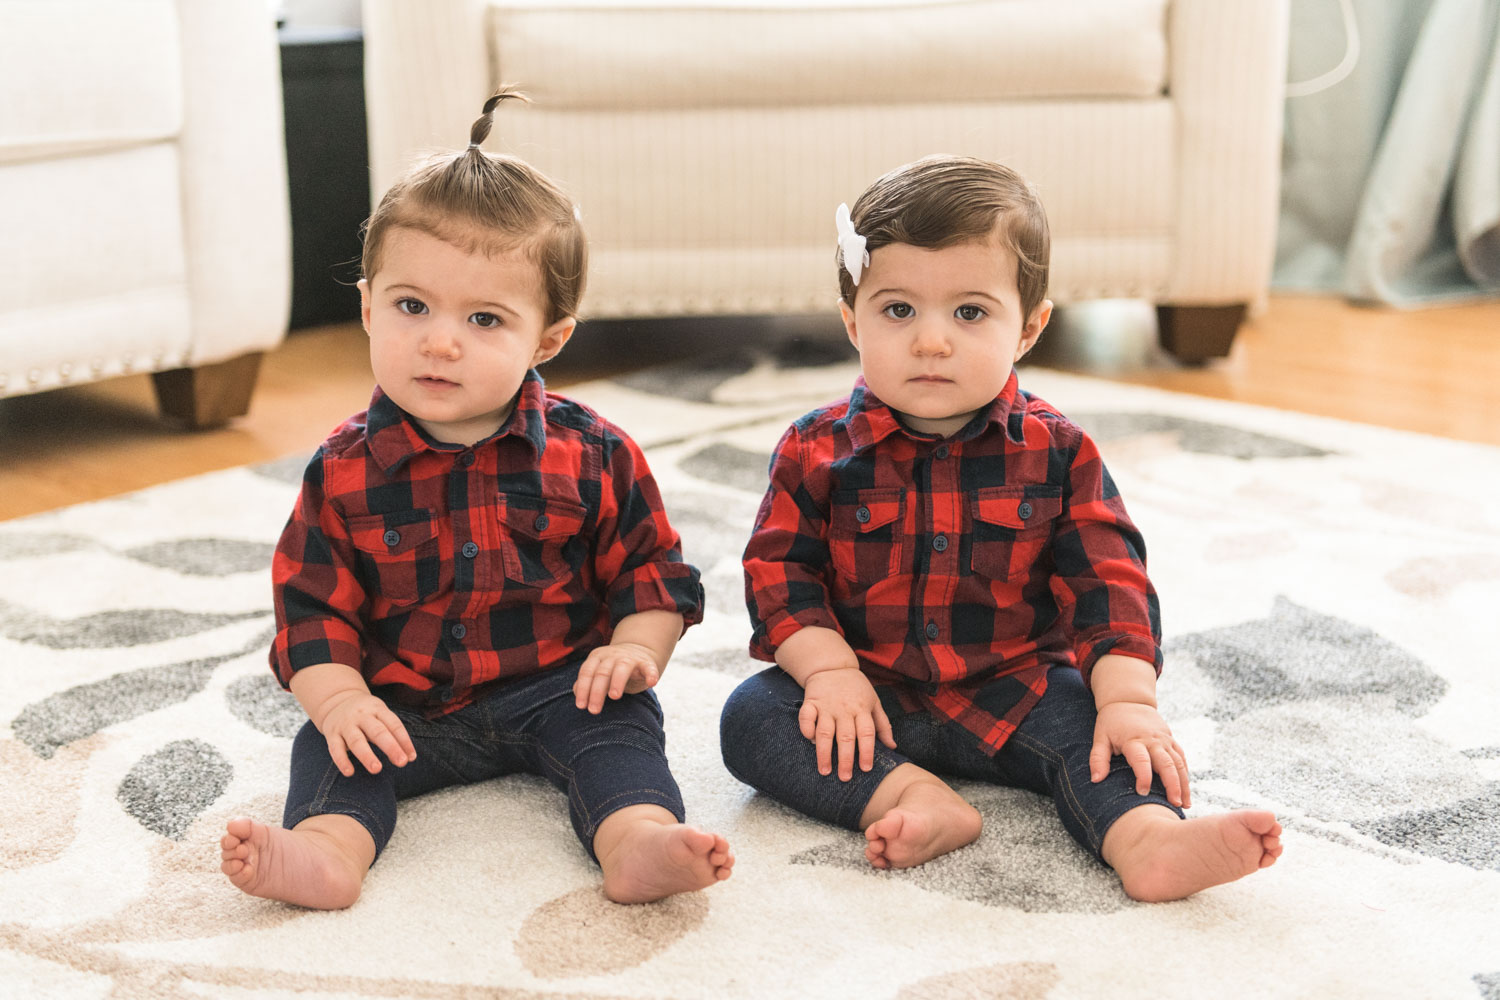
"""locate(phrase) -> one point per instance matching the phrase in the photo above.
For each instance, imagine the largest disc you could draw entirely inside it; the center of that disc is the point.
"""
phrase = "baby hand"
(616, 669)
(842, 704)
(354, 723)
(1139, 734)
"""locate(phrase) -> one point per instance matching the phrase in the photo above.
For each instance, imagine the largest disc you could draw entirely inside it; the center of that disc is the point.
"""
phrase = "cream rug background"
(1329, 596)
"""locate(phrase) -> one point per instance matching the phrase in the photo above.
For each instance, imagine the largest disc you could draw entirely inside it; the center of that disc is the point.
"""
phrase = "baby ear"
(1032, 331)
(364, 303)
(846, 313)
(552, 340)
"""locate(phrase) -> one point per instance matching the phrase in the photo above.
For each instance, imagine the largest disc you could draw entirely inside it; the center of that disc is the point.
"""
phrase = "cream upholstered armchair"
(143, 200)
(708, 143)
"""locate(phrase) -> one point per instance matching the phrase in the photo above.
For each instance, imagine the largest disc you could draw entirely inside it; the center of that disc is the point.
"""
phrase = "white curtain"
(1391, 177)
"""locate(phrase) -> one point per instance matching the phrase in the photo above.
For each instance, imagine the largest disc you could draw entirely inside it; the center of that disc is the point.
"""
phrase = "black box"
(328, 176)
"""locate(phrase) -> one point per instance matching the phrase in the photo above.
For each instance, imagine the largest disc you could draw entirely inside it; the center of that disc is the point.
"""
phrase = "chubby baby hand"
(614, 670)
(357, 722)
(1138, 733)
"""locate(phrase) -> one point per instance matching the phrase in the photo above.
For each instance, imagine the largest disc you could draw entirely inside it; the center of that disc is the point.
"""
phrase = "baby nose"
(930, 338)
(439, 342)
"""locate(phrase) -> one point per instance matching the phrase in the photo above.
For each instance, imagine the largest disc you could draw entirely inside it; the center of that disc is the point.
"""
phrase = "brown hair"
(491, 203)
(942, 201)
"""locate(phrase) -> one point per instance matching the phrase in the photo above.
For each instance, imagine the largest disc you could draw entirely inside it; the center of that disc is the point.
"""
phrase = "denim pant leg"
(1049, 753)
(603, 762)
(451, 750)
(762, 746)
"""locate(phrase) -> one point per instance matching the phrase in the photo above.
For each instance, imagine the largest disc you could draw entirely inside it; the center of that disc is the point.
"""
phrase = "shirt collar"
(394, 437)
(870, 421)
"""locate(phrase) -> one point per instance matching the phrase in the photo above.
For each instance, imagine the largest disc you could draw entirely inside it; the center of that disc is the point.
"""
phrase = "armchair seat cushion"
(117, 82)
(664, 55)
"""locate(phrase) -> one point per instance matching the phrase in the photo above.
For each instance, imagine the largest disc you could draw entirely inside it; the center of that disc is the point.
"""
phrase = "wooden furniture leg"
(1194, 334)
(210, 395)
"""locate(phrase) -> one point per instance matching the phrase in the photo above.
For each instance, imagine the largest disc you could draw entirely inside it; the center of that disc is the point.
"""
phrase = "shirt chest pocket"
(867, 533)
(1012, 527)
(398, 557)
(542, 541)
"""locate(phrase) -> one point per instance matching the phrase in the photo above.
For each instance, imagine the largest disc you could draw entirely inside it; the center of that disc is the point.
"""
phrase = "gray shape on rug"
(110, 629)
(713, 526)
(284, 470)
(264, 705)
(79, 712)
(1466, 833)
(1195, 436)
(1297, 655)
(692, 381)
(26, 545)
(1488, 984)
(735, 661)
(206, 556)
(696, 380)
(812, 352)
(724, 463)
(1023, 860)
(1344, 761)
(167, 790)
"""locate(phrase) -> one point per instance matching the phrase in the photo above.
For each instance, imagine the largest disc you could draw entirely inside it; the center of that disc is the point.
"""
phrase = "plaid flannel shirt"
(436, 569)
(960, 570)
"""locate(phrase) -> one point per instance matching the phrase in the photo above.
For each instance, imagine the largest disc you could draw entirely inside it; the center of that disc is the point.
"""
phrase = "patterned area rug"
(1329, 595)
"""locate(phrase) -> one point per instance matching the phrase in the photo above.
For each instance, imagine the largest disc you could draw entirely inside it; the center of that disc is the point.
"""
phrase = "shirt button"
(458, 630)
(932, 630)
(542, 522)
(862, 515)
(941, 453)
(445, 694)
(392, 537)
(1023, 511)
(940, 543)
(466, 459)
(470, 550)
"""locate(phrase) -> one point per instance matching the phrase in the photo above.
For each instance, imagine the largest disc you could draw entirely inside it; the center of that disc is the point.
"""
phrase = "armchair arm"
(1228, 81)
(236, 219)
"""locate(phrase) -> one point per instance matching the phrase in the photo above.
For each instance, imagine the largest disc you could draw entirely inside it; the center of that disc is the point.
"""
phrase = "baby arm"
(632, 662)
(839, 703)
(351, 718)
(1129, 724)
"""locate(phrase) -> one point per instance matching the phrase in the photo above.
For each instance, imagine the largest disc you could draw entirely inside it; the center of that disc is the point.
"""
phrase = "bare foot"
(1160, 857)
(928, 821)
(651, 860)
(309, 865)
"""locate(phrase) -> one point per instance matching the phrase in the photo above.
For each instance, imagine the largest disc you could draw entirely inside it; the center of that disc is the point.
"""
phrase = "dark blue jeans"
(603, 762)
(1049, 753)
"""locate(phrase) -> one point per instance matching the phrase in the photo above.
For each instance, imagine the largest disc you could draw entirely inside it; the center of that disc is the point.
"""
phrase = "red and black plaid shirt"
(435, 569)
(961, 569)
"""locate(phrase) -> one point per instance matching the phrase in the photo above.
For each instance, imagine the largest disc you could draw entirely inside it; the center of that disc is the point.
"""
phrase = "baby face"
(453, 332)
(938, 330)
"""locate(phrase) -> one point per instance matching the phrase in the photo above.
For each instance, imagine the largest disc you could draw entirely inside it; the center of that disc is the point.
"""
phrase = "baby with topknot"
(478, 577)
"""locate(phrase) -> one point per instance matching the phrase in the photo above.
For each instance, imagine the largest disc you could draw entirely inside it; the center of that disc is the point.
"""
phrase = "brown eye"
(899, 310)
(969, 313)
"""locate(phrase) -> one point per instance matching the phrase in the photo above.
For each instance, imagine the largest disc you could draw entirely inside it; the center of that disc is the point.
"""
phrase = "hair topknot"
(488, 203)
(480, 130)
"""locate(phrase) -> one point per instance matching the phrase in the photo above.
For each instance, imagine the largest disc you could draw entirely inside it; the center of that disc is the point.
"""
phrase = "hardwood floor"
(1434, 371)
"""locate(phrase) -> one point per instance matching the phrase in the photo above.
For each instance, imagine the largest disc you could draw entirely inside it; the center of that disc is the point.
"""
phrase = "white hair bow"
(852, 252)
